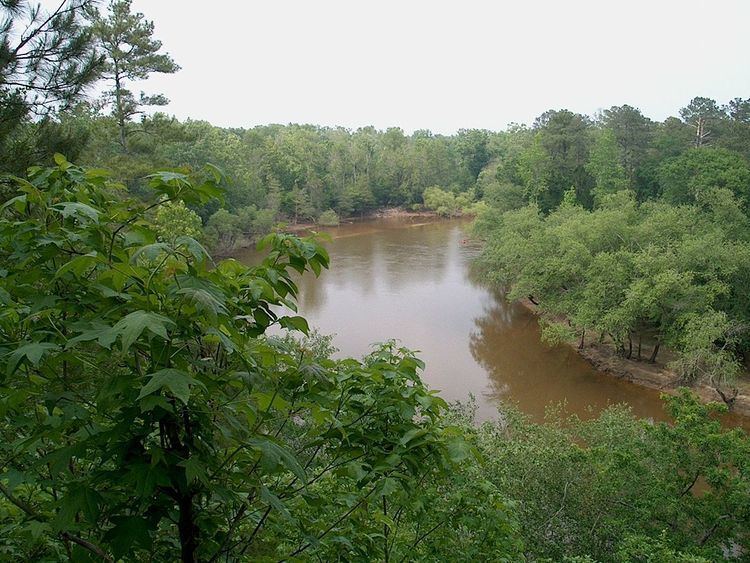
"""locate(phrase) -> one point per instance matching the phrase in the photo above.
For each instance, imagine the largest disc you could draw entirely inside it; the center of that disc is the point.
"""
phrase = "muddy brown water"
(411, 279)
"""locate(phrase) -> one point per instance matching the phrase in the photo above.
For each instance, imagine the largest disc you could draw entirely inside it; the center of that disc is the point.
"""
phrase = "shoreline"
(308, 227)
(654, 376)
(384, 213)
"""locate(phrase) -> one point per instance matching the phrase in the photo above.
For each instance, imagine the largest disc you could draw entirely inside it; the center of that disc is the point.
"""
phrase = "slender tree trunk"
(119, 110)
(582, 343)
(652, 359)
(640, 338)
(630, 345)
(187, 529)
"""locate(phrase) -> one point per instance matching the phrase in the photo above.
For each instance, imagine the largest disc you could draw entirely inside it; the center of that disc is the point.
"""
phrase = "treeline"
(297, 172)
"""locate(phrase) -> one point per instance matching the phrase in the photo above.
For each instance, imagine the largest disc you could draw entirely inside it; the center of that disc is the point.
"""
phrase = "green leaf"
(150, 251)
(95, 331)
(61, 161)
(80, 499)
(33, 352)
(76, 209)
(130, 327)
(194, 469)
(176, 381)
(458, 449)
(78, 265)
(272, 500)
(295, 323)
(266, 400)
(128, 532)
(204, 301)
(273, 455)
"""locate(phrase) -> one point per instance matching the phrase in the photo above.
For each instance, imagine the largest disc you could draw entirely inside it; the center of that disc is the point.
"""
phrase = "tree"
(131, 53)
(174, 220)
(328, 219)
(604, 165)
(674, 275)
(47, 60)
(705, 116)
(737, 134)
(534, 172)
(565, 137)
(615, 488)
(632, 131)
(471, 146)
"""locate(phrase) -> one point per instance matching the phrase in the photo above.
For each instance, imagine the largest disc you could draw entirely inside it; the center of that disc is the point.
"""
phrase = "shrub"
(328, 218)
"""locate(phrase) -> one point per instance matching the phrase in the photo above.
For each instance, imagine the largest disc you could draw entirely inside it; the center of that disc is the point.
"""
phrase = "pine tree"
(131, 53)
(47, 59)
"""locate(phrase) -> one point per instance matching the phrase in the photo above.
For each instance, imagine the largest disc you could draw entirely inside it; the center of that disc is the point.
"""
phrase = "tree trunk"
(188, 530)
(630, 345)
(582, 343)
(652, 359)
(119, 110)
(727, 398)
(640, 339)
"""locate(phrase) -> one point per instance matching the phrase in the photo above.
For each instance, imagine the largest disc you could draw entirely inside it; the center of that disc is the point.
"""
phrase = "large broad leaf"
(80, 500)
(78, 265)
(128, 532)
(196, 249)
(150, 251)
(295, 323)
(33, 352)
(176, 381)
(205, 302)
(272, 455)
(194, 469)
(272, 500)
(77, 210)
(130, 327)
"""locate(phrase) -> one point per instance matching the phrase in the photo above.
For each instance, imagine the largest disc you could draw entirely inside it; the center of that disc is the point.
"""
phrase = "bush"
(328, 219)
(174, 219)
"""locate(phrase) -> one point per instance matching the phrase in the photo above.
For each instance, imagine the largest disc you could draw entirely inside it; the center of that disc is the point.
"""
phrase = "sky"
(444, 65)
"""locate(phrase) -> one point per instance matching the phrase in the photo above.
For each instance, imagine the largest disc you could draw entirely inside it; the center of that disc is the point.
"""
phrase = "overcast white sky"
(444, 65)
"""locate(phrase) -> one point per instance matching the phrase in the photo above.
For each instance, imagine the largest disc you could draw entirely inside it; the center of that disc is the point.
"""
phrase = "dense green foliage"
(632, 232)
(144, 414)
(620, 489)
(636, 273)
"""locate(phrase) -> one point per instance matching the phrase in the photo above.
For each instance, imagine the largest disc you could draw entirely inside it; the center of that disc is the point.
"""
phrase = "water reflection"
(506, 343)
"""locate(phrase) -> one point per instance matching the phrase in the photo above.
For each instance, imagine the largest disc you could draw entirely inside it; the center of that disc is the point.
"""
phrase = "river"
(411, 279)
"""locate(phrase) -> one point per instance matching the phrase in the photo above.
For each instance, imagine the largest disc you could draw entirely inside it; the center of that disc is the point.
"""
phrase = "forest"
(149, 413)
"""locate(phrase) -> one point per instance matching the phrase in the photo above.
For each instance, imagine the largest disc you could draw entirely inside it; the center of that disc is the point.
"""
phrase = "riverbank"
(655, 375)
(306, 228)
(386, 213)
